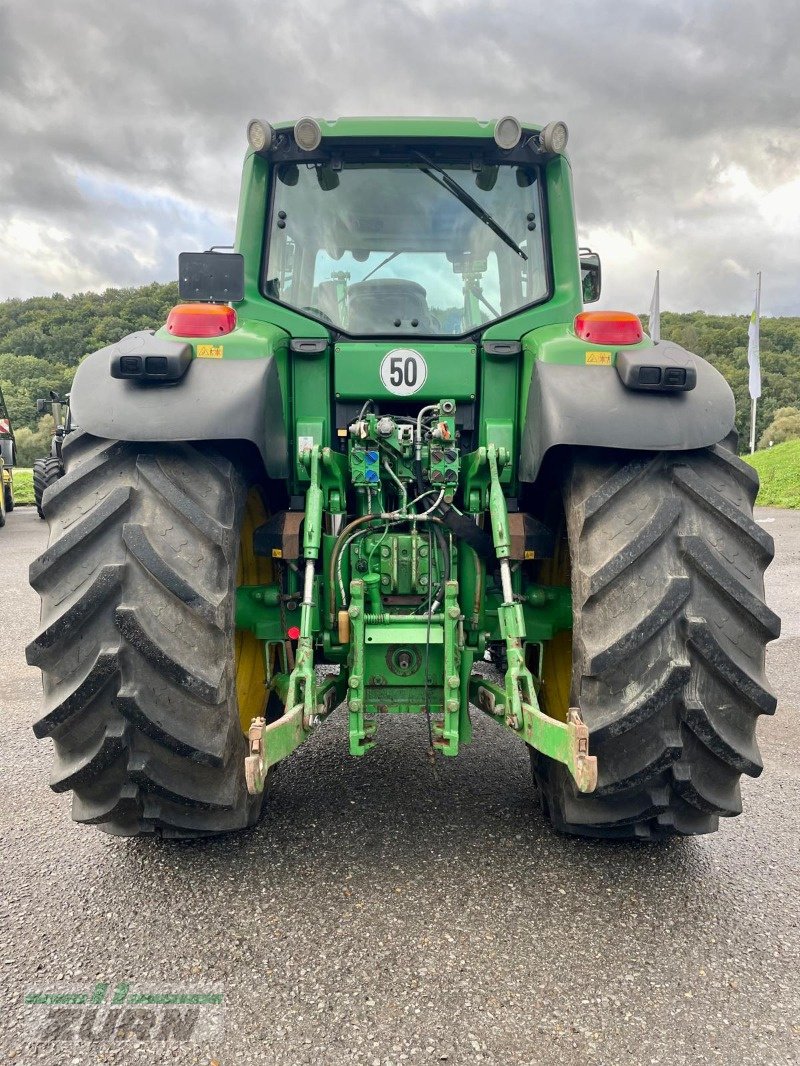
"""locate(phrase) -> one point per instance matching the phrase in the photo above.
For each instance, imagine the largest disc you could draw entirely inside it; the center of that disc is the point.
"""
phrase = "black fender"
(214, 399)
(589, 406)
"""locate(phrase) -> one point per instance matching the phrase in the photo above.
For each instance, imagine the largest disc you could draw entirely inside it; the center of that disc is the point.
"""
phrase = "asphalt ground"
(391, 911)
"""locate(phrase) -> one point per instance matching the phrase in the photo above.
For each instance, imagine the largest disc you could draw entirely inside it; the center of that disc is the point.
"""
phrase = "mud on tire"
(669, 631)
(136, 646)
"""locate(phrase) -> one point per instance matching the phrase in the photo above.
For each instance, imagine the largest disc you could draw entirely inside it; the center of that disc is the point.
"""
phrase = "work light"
(554, 137)
(507, 132)
(259, 134)
(307, 134)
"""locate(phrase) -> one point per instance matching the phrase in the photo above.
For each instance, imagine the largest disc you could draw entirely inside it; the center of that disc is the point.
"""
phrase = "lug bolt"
(452, 681)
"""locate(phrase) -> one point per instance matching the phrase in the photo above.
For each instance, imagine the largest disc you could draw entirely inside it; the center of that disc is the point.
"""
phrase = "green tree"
(23, 379)
(722, 340)
(784, 426)
(33, 444)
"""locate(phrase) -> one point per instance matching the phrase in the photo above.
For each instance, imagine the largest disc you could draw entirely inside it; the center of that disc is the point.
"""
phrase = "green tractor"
(49, 468)
(381, 443)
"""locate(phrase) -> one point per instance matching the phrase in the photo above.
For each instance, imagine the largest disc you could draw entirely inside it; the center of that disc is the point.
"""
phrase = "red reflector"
(201, 320)
(608, 327)
(293, 632)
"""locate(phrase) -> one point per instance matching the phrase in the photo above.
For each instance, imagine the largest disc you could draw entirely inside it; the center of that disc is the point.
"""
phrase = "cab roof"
(359, 126)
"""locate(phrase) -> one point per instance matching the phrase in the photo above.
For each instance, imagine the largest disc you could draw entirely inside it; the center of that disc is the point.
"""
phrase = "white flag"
(654, 321)
(753, 345)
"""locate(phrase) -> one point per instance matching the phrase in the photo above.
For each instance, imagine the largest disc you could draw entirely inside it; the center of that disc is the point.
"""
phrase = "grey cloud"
(661, 98)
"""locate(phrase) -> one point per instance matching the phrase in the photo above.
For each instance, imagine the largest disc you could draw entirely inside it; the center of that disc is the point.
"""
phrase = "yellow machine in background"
(7, 459)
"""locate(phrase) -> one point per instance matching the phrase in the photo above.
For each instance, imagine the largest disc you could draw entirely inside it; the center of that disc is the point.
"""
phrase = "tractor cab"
(398, 245)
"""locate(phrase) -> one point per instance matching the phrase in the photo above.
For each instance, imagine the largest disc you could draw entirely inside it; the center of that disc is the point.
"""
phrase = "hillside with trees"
(43, 339)
(722, 340)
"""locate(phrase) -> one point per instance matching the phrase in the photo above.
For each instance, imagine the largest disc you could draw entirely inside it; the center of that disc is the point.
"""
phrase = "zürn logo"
(103, 1015)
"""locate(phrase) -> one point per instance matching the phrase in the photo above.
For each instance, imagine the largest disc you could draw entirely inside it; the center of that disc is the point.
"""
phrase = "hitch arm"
(518, 679)
(565, 742)
(270, 743)
(516, 706)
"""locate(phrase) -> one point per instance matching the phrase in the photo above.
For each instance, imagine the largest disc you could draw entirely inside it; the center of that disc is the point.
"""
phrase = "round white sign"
(403, 371)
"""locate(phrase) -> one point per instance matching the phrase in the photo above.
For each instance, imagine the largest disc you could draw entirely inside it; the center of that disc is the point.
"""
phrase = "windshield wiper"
(383, 262)
(468, 201)
(476, 292)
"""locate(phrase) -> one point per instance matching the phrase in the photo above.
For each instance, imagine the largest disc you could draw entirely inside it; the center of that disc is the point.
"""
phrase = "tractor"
(379, 442)
(49, 468)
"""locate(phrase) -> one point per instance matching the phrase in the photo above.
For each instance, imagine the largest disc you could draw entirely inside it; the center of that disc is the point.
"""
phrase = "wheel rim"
(251, 679)
(557, 657)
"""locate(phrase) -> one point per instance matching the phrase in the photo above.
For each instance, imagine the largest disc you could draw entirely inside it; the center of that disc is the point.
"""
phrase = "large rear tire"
(137, 646)
(669, 631)
(46, 472)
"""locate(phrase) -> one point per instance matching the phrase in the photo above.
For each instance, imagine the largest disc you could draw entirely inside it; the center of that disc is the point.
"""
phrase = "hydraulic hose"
(337, 548)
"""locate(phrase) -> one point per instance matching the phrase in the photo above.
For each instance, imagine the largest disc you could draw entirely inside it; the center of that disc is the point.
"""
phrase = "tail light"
(608, 327)
(201, 320)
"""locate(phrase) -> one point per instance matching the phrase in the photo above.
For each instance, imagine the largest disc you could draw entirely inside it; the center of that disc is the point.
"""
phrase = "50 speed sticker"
(403, 371)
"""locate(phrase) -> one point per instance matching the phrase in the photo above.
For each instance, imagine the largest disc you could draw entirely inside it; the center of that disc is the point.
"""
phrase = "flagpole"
(754, 399)
(654, 318)
(753, 425)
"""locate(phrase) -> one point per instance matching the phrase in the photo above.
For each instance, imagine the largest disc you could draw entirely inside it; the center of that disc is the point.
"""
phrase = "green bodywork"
(399, 604)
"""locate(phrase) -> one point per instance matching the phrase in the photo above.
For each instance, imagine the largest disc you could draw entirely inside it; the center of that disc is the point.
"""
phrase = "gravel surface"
(388, 911)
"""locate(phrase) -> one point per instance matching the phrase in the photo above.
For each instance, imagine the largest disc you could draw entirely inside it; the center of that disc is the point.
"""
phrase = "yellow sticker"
(277, 553)
(209, 351)
(598, 358)
(529, 554)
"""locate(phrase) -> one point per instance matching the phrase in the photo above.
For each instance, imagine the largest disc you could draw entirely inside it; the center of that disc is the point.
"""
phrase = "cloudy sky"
(122, 125)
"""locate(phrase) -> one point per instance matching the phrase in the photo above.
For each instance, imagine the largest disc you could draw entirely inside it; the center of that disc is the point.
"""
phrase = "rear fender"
(589, 406)
(215, 399)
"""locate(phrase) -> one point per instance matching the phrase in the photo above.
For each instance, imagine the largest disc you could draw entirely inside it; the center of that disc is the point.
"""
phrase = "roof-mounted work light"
(259, 134)
(554, 137)
(507, 132)
(307, 134)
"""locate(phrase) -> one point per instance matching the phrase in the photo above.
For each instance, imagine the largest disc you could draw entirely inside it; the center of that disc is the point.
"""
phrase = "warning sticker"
(209, 351)
(598, 358)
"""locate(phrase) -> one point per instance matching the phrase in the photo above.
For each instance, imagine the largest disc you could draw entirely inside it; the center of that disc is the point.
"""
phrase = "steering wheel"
(319, 314)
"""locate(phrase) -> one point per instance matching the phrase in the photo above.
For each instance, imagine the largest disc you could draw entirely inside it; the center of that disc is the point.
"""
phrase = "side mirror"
(41, 407)
(7, 451)
(590, 275)
(214, 277)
